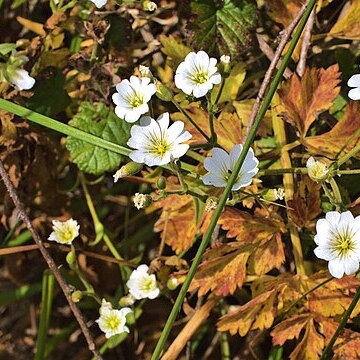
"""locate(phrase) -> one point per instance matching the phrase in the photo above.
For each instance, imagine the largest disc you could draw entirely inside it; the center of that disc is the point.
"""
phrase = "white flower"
(144, 71)
(338, 240)
(105, 307)
(279, 194)
(142, 200)
(197, 74)
(113, 322)
(99, 3)
(64, 232)
(354, 81)
(317, 170)
(156, 143)
(20, 78)
(142, 285)
(149, 6)
(225, 59)
(220, 166)
(211, 204)
(132, 98)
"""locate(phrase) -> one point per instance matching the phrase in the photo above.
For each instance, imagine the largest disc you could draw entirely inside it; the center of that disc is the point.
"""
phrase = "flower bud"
(145, 71)
(142, 200)
(71, 258)
(317, 170)
(211, 203)
(76, 296)
(163, 92)
(127, 300)
(129, 169)
(148, 5)
(161, 183)
(172, 283)
(279, 193)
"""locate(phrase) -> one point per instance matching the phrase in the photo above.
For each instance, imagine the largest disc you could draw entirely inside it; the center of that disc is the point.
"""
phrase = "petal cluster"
(64, 232)
(221, 165)
(142, 285)
(132, 97)
(338, 241)
(197, 74)
(354, 82)
(156, 143)
(111, 321)
(99, 3)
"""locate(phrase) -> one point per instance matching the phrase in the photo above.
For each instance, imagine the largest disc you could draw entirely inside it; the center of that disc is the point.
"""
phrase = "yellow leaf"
(37, 28)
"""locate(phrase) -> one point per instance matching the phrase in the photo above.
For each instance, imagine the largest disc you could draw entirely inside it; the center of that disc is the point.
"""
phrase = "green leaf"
(223, 27)
(98, 120)
(6, 47)
(49, 97)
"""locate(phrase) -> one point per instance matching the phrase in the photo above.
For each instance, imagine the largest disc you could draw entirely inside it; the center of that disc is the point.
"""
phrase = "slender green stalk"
(46, 305)
(347, 156)
(274, 84)
(223, 79)
(269, 172)
(337, 194)
(326, 355)
(224, 340)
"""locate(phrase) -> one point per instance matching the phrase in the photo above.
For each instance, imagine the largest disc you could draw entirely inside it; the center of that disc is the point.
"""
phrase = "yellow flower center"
(113, 321)
(161, 148)
(66, 234)
(136, 101)
(200, 77)
(344, 243)
(147, 284)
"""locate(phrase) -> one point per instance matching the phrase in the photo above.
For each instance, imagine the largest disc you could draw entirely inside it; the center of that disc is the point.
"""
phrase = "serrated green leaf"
(97, 120)
(229, 22)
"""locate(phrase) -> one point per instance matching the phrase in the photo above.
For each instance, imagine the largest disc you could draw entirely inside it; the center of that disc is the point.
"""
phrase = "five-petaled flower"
(156, 143)
(132, 97)
(142, 285)
(338, 240)
(197, 74)
(354, 82)
(221, 165)
(64, 232)
(111, 321)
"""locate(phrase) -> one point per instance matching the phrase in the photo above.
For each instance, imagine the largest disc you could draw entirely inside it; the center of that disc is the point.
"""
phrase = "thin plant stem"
(347, 156)
(252, 133)
(197, 127)
(222, 85)
(224, 340)
(326, 355)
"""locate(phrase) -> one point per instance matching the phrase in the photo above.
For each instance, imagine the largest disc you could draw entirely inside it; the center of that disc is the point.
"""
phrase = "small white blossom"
(112, 322)
(197, 74)
(149, 6)
(317, 170)
(225, 59)
(279, 194)
(156, 143)
(132, 97)
(211, 204)
(64, 232)
(142, 200)
(144, 71)
(354, 82)
(142, 285)
(99, 3)
(221, 164)
(338, 240)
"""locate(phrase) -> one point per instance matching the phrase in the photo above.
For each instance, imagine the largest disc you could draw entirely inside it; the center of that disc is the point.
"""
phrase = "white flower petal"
(336, 268)
(21, 79)
(354, 94)
(354, 81)
(351, 266)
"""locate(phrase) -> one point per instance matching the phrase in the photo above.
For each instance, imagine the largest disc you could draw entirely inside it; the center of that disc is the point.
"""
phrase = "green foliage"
(230, 22)
(6, 48)
(98, 120)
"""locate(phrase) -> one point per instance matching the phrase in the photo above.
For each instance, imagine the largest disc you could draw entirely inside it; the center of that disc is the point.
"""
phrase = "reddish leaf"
(343, 136)
(302, 100)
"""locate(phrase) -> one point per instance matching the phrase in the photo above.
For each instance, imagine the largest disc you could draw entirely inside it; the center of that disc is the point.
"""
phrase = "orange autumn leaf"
(284, 11)
(302, 100)
(258, 313)
(222, 270)
(343, 136)
(306, 204)
(348, 25)
(227, 127)
(177, 221)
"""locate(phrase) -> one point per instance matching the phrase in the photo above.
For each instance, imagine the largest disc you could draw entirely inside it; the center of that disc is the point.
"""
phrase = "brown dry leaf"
(302, 100)
(348, 24)
(306, 204)
(227, 126)
(344, 135)
(223, 269)
(258, 313)
(284, 11)
(177, 221)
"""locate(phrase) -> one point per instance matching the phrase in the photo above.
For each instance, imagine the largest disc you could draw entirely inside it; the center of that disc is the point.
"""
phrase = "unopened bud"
(161, 183)
(317, 170)
(129, 169)
(148, 5)
(145, 71)
(211, 203)
(225, 59)
(163, 92)
(172, 283)
(71, 258)
(76, 296)
(127, 300)
(142, 200)
(279, 193)
(225, 67)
